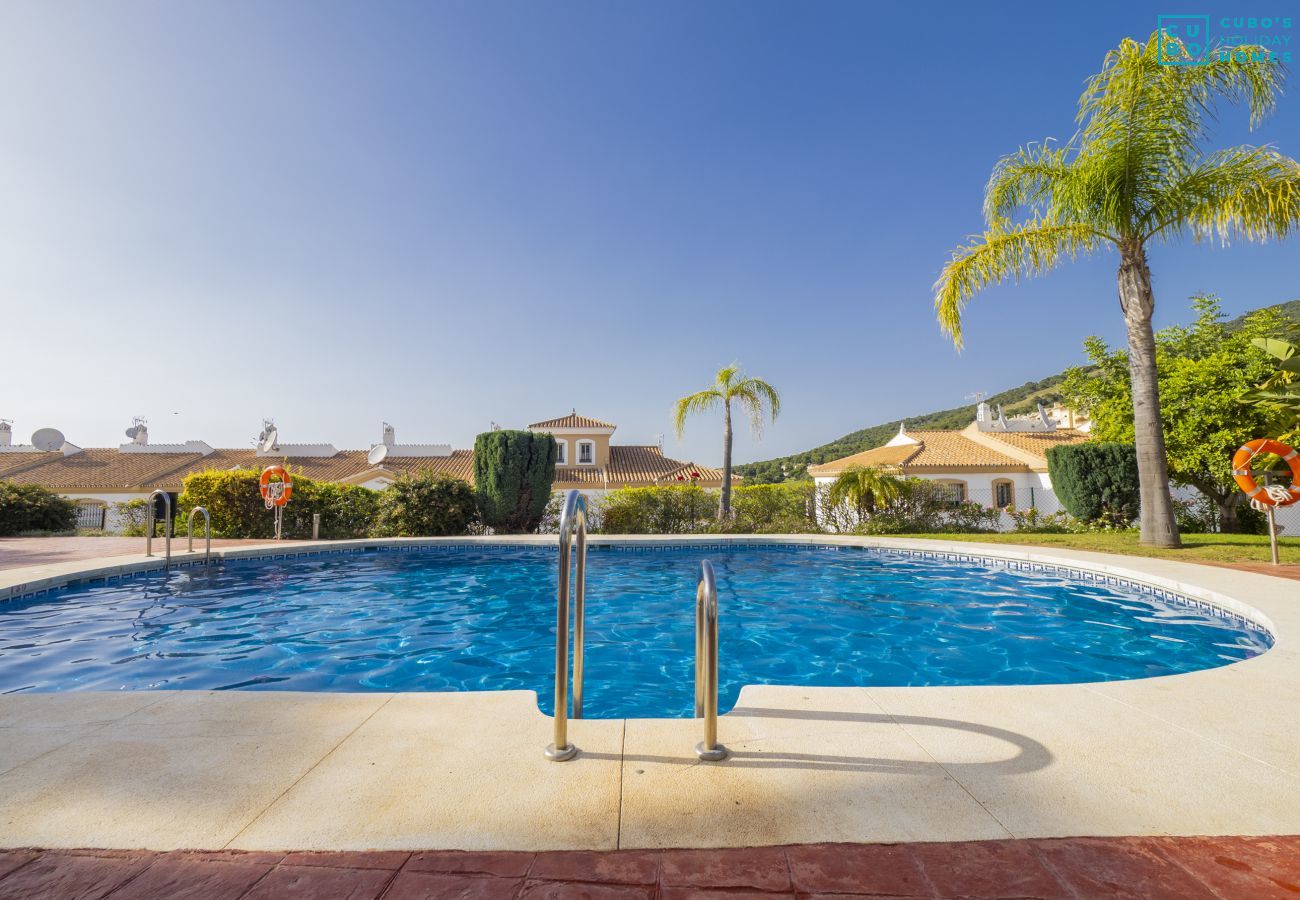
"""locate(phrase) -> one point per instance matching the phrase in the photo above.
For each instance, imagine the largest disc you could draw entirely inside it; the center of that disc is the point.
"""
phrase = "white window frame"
(561, 452)
(578, 453)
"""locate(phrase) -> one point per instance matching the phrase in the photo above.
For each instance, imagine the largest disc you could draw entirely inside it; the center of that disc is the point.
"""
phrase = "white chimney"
(6, 433)
(390, 435)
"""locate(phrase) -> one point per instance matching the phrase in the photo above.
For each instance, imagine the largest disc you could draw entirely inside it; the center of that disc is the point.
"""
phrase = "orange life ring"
(1241, 471)
(266, 480)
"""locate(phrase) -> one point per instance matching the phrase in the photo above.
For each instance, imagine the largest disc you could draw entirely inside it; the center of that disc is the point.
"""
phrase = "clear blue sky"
(447, 214)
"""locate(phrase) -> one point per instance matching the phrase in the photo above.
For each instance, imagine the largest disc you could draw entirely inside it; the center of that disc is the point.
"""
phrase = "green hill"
(1015, 401)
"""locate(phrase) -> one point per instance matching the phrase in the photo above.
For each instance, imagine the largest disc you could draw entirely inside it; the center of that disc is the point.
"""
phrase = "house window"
(1004, 494)
(561, 453)
(586, 453)
(955, 491)
(90, 514)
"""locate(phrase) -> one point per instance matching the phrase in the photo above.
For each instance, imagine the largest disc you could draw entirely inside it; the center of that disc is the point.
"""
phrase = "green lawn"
(1213, 547)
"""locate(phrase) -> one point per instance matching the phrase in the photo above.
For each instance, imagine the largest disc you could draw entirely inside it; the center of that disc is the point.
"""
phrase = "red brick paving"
(1069, 868)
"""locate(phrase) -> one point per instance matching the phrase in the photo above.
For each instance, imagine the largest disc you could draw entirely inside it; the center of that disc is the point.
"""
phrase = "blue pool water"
(484, 619)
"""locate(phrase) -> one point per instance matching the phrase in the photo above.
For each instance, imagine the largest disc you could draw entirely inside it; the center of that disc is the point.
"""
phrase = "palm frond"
(700, 401)
(998, 255)
(756, 396)
(1253, 192)
(1141, 122)
(1034, 178)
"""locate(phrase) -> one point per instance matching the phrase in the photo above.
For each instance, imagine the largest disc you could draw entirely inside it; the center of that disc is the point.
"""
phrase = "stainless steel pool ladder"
(573, 518)
(167, 526)
(207, 533)
(706, 663)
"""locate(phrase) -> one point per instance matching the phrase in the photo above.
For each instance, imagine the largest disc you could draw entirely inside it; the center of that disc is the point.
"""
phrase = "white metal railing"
(706, 663)
(207, 533)
(572, 519)
(167, 526)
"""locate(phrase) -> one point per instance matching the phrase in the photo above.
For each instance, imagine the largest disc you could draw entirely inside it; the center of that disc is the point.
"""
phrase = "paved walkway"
(1071, 868)
(43, 551)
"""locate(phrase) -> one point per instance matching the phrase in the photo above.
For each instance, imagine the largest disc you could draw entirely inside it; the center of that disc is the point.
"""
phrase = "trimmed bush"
(425, 506)
(1096, 480)
(235, 503)
(513, 474)
(658, 510)
(785, 508)
(30, 507)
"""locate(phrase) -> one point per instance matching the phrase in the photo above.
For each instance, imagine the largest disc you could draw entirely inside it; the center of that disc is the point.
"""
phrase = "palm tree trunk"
(724, 505)
(1138, 301)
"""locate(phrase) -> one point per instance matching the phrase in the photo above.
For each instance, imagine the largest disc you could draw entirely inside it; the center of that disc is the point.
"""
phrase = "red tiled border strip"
(1069, 868)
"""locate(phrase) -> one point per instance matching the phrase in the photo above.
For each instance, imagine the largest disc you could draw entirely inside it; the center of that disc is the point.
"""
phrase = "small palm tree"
(1133, 174)
(753, 394)
(865, 488)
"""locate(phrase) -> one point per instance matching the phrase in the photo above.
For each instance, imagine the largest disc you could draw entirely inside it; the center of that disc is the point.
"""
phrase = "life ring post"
(276, 494)
(1267, 497)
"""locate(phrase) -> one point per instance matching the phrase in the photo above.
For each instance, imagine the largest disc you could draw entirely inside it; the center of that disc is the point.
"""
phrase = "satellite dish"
(378, 454)
(48, 439)
(270, 439)
(133, 431)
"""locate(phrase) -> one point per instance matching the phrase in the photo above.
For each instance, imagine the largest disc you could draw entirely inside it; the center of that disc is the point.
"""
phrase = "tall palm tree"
(865, 488)
(753, 394)
(1134, 173)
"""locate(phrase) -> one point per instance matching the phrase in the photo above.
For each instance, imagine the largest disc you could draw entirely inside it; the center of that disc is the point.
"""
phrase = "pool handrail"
(573, 518)
(167, 526)
(207, 533)
(706, 663)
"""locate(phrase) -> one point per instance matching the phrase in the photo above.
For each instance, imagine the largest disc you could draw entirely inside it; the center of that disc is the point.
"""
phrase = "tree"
(753, 394)
(1134, 173)
(513, 475)
(1279, 395)
(864, 489)
(1204, 372)
(1096, 481)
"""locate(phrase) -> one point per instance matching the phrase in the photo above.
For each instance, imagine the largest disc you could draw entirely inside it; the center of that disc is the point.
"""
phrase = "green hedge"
(684, 509)
(785, 508)
(658, 510)
(425, 506)
(513, 475)
(1097, 480)
(30, 507)
(234, 502)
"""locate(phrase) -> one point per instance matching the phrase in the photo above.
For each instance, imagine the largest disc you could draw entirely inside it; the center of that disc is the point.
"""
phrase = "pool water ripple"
(484, 619)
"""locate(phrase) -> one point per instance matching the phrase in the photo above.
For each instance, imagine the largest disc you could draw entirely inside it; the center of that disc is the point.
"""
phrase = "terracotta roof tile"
(954, 450)
(572, 420)
(937, 449)
(1039, 442)
(633, 466)
(109, 469)
(877, 457)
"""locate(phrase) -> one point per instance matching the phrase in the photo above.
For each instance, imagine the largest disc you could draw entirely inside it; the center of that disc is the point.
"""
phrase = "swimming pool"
(473, 617)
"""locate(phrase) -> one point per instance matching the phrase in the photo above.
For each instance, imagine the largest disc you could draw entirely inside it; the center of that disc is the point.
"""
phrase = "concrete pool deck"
(1215, 752)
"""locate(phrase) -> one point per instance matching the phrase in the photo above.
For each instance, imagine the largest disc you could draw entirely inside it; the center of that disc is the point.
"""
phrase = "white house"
(995, 461)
